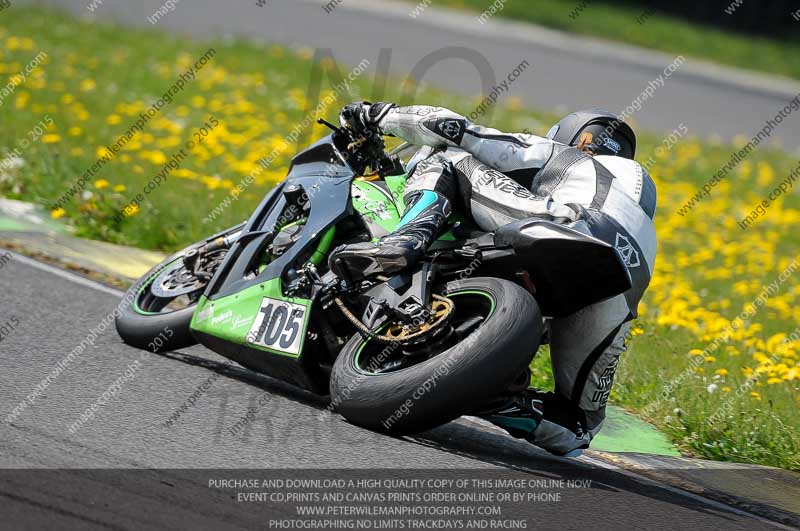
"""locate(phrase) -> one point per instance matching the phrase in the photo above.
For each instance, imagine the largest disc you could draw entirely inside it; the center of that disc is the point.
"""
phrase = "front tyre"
(159, 307)
(497, 326)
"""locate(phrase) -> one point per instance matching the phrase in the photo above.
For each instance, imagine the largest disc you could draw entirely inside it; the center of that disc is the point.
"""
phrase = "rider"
(581, 174)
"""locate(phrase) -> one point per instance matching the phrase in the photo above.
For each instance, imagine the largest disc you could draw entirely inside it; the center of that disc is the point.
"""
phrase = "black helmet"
(603, 132)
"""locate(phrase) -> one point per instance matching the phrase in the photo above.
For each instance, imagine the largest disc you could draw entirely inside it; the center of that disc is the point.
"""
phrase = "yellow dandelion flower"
(27, 44)
(721, 372)
(774, 380)
(88, 85)
(113, 119)
(756, 395)
(101, 183)
(710, 359)
(168, 142)
(130, 210)
(156, 157)
(52, 138)
(13, 43)
(726, 389)
(765, 174)
(57, 213)
(22, 100)
(184, 173)
(120, 188)
(212, 183)
(695, 352)
(74, 131)
(104, 153)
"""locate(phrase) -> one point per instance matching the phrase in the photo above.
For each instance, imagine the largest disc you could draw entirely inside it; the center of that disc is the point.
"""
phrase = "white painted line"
(72, 277)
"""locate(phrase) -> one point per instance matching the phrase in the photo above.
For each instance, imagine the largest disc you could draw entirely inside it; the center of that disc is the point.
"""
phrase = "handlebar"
(365, 149)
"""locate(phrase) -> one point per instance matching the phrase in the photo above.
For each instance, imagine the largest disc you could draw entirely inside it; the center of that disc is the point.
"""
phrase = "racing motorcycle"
(398, 354)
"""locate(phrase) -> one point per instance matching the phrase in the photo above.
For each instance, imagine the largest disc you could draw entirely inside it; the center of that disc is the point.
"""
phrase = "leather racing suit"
(499, 178)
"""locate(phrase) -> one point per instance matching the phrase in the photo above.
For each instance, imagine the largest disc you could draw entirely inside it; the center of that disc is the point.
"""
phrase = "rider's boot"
(519, 413)
(425, 215)
(540, 418)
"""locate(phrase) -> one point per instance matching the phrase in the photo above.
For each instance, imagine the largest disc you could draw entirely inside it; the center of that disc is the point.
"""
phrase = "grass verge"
(644, 27)
(714, 340)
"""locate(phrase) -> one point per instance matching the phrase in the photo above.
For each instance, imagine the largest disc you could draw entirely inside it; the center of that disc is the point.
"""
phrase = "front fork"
(192, 257)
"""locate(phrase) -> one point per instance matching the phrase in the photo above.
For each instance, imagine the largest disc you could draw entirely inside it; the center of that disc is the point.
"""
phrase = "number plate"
(279, 326)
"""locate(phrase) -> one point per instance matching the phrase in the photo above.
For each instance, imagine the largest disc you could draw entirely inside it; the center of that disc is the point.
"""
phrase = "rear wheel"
(492, 334)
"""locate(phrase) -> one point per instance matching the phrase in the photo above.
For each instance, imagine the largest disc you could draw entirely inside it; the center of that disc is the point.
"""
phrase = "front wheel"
(495, 329)
(159, 306)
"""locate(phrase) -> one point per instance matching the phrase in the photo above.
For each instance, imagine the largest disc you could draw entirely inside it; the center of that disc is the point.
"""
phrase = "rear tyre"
(498, 325)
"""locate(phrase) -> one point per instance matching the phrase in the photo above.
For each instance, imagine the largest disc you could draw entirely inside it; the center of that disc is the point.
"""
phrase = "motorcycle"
(398, 354)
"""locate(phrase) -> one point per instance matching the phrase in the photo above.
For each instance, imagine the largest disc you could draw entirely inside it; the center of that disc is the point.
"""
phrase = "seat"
(569, 269)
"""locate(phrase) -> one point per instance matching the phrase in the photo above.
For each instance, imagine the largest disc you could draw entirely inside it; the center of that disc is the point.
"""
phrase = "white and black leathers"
(502, 177)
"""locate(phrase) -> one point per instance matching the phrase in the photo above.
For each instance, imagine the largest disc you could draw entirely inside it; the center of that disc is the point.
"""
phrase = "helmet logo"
(630, 257)
(612, 144)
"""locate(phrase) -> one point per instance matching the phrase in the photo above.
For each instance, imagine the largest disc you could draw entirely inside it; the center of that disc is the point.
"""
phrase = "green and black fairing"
(262, 308)
(247, 313)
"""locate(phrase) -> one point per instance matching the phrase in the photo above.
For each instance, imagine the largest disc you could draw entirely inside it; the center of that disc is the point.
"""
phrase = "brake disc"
(175, 281)
(441, 308)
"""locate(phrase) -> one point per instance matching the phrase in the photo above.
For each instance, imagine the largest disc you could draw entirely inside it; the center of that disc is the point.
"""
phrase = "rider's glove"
(362, 116)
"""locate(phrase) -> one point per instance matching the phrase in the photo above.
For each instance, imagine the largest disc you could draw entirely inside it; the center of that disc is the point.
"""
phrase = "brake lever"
(335, 128)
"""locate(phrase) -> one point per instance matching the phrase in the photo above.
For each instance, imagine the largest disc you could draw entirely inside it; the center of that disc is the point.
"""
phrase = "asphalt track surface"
(561, 76)
(291, 430)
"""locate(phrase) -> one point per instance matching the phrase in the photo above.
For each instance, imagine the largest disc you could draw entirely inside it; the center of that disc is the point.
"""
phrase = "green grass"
(99, 77)
(659, 31)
